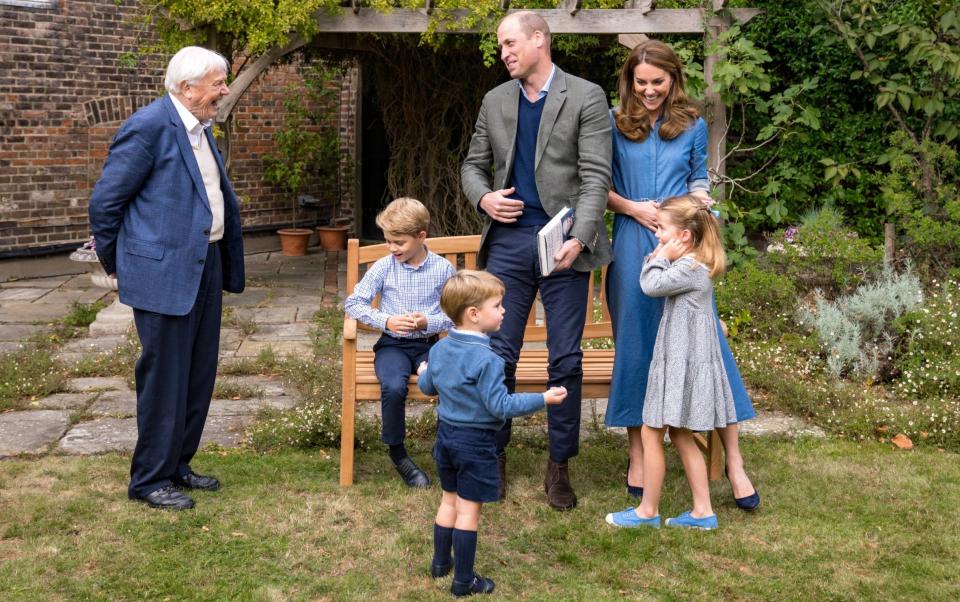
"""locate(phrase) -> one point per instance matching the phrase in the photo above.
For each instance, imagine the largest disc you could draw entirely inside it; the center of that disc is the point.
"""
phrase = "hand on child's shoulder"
(555, 395)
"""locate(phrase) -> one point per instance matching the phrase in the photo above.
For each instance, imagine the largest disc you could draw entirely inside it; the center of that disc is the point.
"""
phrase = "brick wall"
(69, 76)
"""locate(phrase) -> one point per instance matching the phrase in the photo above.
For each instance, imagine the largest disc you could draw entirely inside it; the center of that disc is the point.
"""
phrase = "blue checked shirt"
(402, 289)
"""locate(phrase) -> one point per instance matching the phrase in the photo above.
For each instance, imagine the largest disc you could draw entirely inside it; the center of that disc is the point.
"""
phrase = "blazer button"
(200, 261)
(206, 232)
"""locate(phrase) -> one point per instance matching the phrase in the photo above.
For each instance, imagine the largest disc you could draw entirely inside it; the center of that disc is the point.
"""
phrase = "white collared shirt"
(543, 91)
(193, 125)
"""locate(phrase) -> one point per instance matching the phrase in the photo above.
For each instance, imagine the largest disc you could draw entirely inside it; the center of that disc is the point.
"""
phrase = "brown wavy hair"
(632, 118)
(690, 213)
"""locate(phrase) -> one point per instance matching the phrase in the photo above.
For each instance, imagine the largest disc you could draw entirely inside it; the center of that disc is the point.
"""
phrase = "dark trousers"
(512, 257)
(175, 376)
(394, 361)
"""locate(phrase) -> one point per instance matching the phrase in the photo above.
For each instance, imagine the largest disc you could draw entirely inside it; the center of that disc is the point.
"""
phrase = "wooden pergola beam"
(585, 21)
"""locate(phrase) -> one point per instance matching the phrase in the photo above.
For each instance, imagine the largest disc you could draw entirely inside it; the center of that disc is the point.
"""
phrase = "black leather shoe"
(167, 498)
(193, 480)
(440, 570)
(479, 585)
(411, 473)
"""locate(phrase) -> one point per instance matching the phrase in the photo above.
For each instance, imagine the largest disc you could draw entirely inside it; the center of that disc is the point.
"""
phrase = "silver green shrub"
(857, 331)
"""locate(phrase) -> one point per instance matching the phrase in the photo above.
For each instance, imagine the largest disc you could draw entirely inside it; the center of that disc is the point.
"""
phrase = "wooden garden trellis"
(631, 23)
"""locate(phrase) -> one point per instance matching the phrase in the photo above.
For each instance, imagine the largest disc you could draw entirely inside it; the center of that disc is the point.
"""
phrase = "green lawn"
(839, 520)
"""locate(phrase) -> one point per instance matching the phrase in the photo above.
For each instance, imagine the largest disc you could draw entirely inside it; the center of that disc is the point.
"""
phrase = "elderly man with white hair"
(167, 223)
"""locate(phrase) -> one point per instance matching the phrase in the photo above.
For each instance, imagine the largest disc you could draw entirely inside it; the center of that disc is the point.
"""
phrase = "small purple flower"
(789, 233)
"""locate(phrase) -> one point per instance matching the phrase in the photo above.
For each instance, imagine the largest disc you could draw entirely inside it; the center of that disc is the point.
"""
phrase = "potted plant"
(306, 152)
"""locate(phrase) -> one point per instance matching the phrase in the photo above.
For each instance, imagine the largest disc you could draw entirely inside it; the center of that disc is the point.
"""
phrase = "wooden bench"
(360, 381)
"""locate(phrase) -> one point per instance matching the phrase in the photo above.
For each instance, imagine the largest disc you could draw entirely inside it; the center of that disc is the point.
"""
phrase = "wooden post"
(889, 243)
(716, 112)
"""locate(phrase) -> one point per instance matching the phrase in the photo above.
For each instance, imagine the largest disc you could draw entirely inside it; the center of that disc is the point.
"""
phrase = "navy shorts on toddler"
(466, 460)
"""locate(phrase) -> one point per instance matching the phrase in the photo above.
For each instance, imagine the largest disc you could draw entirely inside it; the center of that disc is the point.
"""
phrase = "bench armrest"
(349, 329)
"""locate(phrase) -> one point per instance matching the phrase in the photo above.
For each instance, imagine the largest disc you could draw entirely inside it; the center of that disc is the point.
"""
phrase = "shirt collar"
(407, 266)
(190, 121)
(546, 87)
(469, 333)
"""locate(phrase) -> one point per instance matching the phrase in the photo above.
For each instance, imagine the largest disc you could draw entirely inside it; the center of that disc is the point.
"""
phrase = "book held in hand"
(551, 237)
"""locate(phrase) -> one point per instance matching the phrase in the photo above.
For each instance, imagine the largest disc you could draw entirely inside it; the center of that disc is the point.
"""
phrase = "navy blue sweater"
(523, 176)
(468, 376)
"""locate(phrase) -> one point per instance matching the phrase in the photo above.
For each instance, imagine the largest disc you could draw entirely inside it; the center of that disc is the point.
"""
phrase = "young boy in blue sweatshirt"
(474, 403)
(408, 282)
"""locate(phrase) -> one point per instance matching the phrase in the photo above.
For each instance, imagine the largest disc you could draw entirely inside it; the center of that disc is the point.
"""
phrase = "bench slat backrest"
(461, 251)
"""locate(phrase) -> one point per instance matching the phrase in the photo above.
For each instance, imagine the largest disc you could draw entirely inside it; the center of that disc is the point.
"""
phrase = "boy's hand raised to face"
(555, 395)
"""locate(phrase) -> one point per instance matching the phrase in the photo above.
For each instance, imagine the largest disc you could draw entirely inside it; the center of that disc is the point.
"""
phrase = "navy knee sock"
(442, 542)
(464, 553)
(398, 452)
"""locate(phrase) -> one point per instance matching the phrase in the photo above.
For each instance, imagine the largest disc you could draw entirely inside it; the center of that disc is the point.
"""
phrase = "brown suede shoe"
(502, 466)
(560, 495)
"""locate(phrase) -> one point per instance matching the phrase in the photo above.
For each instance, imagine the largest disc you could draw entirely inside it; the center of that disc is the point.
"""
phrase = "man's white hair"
(190, 64)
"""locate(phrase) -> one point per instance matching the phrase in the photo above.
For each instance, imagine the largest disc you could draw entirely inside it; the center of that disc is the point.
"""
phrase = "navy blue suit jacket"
(151, 218)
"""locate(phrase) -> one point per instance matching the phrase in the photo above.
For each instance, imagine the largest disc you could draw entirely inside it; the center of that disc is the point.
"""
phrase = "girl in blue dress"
(659, 151)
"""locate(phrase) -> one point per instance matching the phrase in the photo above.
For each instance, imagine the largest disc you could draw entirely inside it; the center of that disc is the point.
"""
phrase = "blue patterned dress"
(654, 169)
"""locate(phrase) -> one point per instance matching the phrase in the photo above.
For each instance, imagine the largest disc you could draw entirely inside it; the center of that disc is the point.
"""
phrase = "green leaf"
(830, 173)
(904, 101)
(903, 39)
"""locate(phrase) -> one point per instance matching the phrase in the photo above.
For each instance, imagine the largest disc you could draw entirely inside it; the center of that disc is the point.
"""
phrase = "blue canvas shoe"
(629, 519)
(686, 521)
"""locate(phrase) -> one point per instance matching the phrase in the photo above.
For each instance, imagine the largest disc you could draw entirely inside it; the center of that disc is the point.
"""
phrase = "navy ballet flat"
(748, 503)
(636, 492)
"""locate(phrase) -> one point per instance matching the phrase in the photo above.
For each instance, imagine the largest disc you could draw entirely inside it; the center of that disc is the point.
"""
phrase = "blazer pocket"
(144, 248)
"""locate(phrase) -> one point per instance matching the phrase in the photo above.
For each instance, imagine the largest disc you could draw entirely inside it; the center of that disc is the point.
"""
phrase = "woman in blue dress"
(659, 151)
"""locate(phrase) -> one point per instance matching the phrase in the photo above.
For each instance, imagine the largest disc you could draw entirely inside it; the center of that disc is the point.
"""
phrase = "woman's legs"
(654, 470)
(695, 468)
(742, 487)
(635, 451)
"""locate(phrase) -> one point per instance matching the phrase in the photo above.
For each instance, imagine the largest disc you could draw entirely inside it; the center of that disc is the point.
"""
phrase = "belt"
(428, 340)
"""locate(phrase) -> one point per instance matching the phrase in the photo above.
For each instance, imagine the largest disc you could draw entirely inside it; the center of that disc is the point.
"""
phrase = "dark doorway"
(375, 160)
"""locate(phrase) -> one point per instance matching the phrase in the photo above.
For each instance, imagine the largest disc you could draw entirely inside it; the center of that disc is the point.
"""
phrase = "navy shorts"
(466, 460)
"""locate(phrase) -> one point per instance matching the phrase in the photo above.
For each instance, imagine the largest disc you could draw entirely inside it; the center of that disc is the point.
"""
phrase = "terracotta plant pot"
(333, 238)
(294, 241)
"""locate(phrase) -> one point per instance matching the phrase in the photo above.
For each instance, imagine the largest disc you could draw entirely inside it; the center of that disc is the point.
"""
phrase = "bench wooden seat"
(360, 381)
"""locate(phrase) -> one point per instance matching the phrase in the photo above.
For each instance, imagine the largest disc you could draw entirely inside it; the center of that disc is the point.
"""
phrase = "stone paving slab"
(305, 312)
(50, 282)
(19, 332)
(296, 331)
(97, 383)
(269, 386)
(115, 403)
(79, 281)
(253, 348)
(226, 430)
(69, 297)
(230, 339)
(267, 315)
(780, 424)
(100, 435)
(22, 312)
(22, 294)
(94, 345)
(31, 431)
(11, 346)
(65, 401)
(251, 296)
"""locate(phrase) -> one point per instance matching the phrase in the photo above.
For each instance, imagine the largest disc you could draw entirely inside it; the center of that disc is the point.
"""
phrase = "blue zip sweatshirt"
(468, 377)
